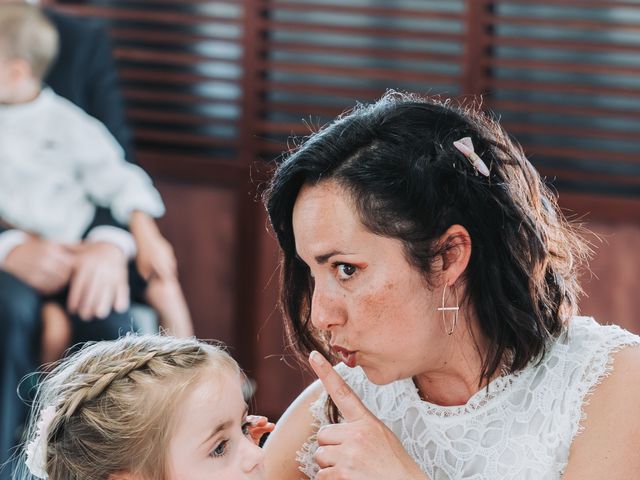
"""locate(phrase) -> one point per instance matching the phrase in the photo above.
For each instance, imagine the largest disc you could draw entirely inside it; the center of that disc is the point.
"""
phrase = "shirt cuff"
(116, 236)
(9, 240)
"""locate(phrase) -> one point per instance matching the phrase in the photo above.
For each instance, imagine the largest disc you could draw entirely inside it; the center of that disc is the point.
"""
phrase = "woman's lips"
(348, 356)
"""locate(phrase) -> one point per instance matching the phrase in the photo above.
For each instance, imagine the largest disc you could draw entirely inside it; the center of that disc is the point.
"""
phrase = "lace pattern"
(521, 427)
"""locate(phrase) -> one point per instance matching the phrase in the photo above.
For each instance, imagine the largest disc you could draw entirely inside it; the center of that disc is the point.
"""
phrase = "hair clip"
(37, 449)
(465, 145)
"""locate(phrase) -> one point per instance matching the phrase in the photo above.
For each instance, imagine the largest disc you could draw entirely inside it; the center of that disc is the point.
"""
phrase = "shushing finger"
(350, 406)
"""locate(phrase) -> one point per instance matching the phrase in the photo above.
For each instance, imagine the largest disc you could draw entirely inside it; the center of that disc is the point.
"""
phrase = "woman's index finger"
(350, 406)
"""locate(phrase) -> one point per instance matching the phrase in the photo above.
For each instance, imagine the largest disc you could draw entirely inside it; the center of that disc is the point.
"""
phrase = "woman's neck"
(456, 375)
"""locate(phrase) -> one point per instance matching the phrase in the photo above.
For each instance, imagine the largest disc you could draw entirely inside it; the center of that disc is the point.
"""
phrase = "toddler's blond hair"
(115, 401)
(27, 34)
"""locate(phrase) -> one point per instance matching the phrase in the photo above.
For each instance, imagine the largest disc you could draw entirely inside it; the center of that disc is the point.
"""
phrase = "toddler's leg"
(56, 332)
(166, 297)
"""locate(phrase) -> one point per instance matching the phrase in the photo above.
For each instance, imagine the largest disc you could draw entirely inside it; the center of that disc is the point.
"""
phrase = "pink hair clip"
(465, 145)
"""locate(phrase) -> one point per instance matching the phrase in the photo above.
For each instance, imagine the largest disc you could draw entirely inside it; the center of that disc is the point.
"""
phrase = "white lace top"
(522, 428)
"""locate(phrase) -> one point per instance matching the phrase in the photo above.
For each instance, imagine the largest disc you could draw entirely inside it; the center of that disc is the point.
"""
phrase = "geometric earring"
(444, 309)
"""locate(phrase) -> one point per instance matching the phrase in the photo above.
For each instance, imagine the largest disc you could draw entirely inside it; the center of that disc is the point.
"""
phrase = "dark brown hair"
(397, 161)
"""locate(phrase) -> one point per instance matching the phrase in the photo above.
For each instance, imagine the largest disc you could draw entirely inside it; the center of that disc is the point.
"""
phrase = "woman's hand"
(258, 426)
(361, 448)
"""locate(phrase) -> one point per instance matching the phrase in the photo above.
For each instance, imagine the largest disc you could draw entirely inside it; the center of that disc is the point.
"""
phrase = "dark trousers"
(20, 335)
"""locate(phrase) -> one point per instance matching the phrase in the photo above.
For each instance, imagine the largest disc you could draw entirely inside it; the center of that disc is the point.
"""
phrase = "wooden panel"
(611, 284)
(200, 224)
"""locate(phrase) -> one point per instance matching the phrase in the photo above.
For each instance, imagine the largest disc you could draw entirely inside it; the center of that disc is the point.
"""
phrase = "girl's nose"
(252, 457)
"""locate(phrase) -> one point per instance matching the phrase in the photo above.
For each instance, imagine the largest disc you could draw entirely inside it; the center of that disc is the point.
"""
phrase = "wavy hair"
(396, 160)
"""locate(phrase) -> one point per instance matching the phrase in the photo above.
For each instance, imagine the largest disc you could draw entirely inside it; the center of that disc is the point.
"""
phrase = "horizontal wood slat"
(389, 11)
(359, 30)
(561, 23)
(582, 4)
(150, 16)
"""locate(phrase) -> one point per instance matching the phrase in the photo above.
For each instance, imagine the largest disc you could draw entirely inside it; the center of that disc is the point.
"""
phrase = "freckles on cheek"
(379, 305)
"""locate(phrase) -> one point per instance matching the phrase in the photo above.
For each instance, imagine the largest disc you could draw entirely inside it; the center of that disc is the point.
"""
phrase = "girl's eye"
(246, 428)
(345, 271)
(220, 450)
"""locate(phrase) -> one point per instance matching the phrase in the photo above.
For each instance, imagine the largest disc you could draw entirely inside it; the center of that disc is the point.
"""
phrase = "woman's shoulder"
(583, 355)
(605, 441)
(589, 346)
(587, 329)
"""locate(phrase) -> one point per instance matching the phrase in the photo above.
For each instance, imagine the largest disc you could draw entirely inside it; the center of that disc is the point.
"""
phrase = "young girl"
(144, 407)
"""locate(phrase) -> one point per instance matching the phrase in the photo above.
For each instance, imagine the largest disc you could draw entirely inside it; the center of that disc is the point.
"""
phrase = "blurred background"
(215, 90)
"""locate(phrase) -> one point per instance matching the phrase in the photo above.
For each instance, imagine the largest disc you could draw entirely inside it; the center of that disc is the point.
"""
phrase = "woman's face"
(377, 309)
(211, 440)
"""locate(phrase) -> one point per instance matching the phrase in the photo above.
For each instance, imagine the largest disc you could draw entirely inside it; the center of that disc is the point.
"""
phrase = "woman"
(421, 248)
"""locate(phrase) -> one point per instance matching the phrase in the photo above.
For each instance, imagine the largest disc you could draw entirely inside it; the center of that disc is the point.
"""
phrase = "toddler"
(58, 166)
(143, 407)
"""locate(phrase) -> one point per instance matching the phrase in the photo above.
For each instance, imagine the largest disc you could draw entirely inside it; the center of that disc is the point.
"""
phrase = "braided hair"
(114, 403)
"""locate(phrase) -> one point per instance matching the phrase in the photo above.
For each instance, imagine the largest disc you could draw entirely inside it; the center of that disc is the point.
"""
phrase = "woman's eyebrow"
(324, 258)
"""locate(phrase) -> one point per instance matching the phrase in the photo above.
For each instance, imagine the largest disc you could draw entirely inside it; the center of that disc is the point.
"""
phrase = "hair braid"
(91, 385)
(114, 402)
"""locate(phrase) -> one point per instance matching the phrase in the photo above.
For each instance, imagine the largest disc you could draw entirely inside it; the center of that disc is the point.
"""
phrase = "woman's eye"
(220, 450)
(345, 271)
(246, 428)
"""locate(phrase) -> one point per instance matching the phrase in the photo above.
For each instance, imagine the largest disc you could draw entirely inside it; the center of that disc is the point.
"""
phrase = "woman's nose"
(325, 309)
(252, 457)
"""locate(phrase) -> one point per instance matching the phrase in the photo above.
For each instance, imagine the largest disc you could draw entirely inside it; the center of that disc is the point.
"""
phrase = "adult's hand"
(258, 426)
(99, 281)
(43, 264)
(361, 448)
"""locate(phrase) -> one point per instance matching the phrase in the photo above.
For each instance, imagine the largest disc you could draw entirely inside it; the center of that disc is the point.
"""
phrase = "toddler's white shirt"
(58, 163)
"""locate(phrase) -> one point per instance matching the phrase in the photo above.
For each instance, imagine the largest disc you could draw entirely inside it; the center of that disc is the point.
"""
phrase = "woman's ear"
(456, 244)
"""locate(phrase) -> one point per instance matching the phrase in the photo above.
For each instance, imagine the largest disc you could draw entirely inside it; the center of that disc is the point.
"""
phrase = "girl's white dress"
(521, 428)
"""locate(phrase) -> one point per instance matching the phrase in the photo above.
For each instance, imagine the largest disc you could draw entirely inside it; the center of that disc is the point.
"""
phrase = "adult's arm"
(609, 443)
(292, 431)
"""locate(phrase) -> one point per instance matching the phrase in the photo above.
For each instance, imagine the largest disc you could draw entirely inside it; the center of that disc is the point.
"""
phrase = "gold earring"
(444, 309)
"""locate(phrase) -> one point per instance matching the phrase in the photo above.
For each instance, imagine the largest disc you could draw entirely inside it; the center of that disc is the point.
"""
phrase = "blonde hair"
(114, 404)
(27, 34)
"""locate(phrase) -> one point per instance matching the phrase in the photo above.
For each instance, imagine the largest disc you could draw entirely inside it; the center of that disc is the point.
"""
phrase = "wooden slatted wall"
(322, 56)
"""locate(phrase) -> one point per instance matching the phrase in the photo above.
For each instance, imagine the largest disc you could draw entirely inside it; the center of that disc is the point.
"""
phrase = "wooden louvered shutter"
(565, 78)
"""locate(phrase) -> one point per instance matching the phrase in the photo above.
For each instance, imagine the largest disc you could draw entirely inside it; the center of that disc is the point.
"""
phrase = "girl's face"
(375, 307)
(211, 438)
